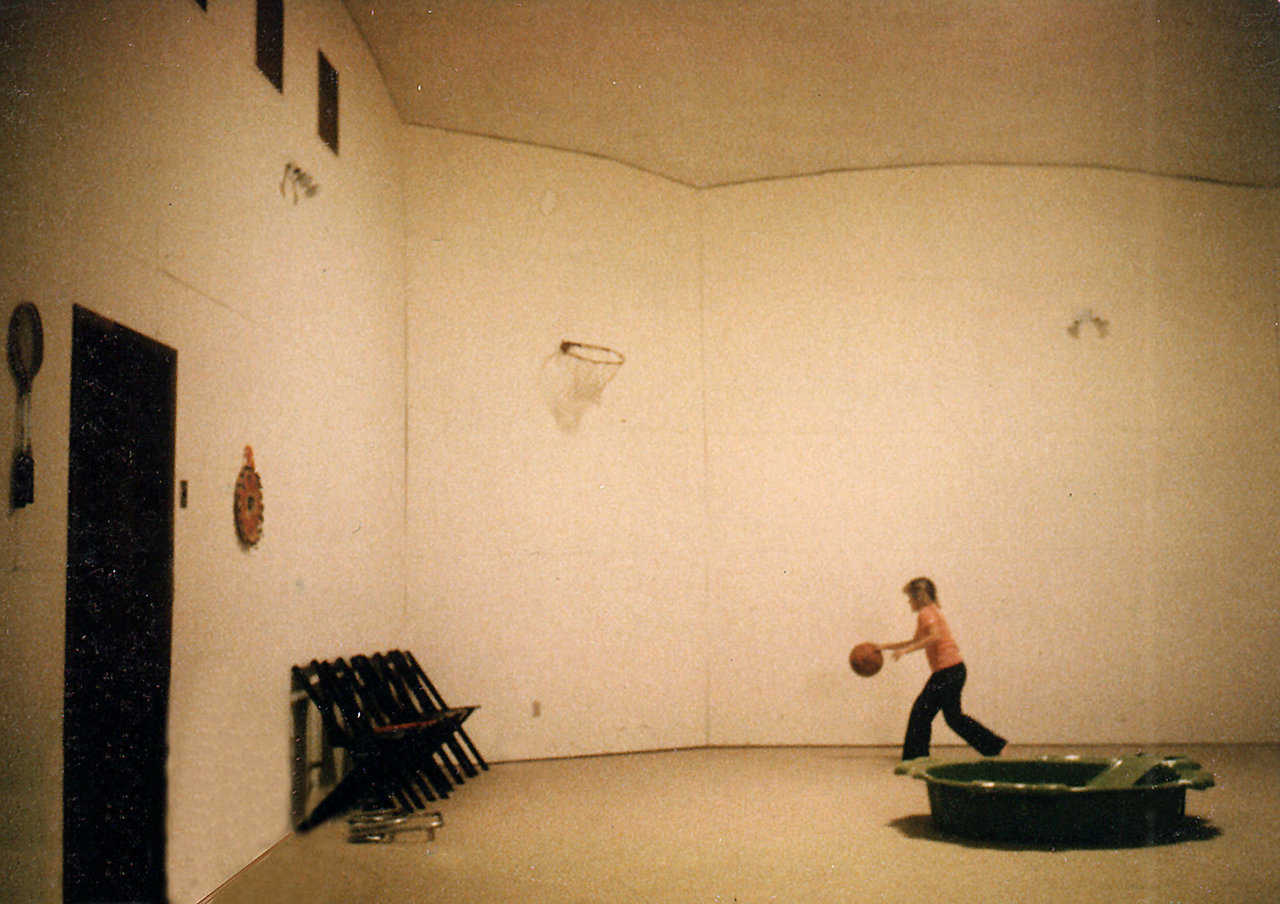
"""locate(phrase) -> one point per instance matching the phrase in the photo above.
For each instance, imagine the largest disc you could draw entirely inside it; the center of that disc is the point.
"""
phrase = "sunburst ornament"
(248, 504)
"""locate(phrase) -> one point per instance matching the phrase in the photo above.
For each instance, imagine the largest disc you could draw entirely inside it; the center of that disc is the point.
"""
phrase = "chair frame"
(402, 742)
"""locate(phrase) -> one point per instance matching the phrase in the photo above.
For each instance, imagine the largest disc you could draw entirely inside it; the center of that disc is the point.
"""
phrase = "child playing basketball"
(942, 691)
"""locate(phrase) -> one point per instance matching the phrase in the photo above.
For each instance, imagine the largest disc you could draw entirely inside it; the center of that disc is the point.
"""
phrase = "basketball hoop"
(576, 375)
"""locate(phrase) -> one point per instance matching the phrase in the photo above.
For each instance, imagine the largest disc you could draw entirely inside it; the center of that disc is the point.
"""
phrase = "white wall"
(836, 384)
(892, 391)
(144, 154)
(563, 568)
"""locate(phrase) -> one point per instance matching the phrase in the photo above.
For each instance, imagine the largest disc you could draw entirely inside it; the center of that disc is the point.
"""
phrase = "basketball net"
(575, 377)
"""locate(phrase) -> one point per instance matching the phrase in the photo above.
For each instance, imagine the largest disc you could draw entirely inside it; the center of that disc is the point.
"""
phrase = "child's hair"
(921, 586)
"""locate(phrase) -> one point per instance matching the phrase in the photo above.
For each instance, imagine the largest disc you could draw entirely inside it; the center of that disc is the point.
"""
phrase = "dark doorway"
(119, 612)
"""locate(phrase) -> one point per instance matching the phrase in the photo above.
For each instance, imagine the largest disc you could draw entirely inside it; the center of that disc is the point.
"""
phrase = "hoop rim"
(592, 354)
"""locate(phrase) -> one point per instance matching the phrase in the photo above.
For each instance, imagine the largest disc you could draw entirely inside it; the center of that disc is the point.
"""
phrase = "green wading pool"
(1133, 799)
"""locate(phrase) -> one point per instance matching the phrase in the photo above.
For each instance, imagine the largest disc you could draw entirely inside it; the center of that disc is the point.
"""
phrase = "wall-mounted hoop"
(594, 354)
(1087, 316)
(575, 377)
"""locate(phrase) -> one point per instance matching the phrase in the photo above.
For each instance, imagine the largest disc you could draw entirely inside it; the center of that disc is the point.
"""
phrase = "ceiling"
(716, 92)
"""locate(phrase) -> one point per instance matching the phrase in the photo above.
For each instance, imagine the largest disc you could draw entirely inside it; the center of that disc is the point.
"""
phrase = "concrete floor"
(805, 825)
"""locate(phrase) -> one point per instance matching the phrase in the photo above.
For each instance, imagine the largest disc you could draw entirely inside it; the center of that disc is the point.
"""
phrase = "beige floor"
(759, 825)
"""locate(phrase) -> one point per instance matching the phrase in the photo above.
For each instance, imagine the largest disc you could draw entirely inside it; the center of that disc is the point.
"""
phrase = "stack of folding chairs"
(405, 746)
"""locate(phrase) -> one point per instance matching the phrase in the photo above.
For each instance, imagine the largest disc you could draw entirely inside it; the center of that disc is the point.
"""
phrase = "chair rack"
(405, 746)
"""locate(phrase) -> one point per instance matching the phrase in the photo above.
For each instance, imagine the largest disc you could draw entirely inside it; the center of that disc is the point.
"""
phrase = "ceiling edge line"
(873, 168)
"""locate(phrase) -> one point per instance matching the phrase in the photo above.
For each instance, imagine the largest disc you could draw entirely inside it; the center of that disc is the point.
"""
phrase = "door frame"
(120, 487)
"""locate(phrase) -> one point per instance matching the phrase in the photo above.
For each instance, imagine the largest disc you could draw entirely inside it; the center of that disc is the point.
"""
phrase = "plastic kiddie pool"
(1134, 799)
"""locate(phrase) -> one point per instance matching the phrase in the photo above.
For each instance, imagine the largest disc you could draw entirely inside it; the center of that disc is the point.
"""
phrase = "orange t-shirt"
(943, 653)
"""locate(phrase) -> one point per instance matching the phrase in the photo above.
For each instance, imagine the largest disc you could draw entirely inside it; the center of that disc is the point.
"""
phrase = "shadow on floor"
(921, 826)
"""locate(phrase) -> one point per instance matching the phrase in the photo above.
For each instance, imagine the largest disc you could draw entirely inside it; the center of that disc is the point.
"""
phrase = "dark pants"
(942, 692)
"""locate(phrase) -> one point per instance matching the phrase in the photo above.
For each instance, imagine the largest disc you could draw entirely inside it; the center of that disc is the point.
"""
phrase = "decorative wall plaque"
(248, 504)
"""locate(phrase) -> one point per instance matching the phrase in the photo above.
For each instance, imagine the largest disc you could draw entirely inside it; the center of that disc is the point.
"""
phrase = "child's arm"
(919, 642)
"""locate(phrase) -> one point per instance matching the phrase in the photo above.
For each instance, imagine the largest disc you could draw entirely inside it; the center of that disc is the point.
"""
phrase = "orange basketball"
(865, 659)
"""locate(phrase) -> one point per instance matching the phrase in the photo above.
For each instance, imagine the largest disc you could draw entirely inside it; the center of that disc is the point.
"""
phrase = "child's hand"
(897, 654)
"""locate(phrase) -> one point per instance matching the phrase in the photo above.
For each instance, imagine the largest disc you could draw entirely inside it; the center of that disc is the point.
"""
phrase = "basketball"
(865, 659)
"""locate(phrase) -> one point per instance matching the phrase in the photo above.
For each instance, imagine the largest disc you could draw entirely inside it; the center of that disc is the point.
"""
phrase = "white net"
(575, 376)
